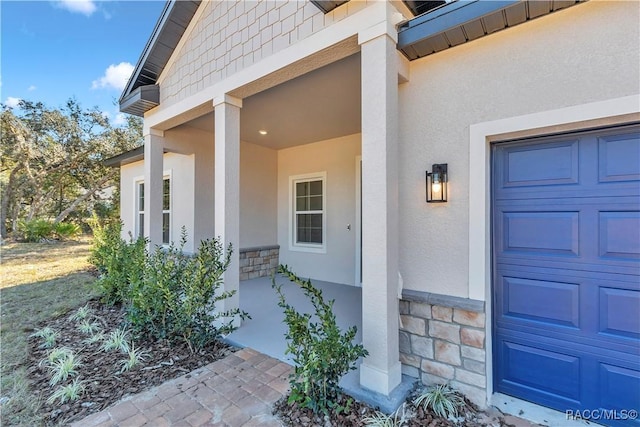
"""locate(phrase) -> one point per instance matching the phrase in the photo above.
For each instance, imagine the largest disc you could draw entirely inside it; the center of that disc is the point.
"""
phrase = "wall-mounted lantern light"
(437, 184)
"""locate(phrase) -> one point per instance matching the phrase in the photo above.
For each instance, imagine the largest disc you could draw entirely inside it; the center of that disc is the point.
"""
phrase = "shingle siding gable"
(230, 36)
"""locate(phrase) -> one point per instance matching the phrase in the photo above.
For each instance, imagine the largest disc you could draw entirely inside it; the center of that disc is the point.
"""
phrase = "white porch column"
(153, 174)
(227, 188)
(381, 370)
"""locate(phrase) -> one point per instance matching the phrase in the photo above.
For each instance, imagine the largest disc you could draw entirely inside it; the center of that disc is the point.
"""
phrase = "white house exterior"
(303, 137)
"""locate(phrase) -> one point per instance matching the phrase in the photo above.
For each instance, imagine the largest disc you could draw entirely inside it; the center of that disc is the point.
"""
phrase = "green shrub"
(321, 352)
(166, 293)
(35, 230)
(177, 295)
(66, 230)
(40, 229)
(120, 263)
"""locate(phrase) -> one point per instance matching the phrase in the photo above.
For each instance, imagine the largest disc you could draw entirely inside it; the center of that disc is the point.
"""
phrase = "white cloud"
(115, 76)
(32, 88)
(119, 120)
(116, 118)
(85, 7)
(12, 102)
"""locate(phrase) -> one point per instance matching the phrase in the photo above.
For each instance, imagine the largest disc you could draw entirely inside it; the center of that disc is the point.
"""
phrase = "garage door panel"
(521, 164)
(619, 235)
(599, 235)
(542, 301)
(562, 305)
(619, 387)
(620, 312)
(566, 268)
(551, 372)
(542, 233)
(619, 158)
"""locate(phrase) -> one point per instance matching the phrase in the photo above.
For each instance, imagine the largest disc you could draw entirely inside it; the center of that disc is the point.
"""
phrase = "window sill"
(317, 249)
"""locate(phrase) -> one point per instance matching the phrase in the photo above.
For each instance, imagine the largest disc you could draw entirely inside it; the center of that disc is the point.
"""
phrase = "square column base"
(388, 403)
(382, 382)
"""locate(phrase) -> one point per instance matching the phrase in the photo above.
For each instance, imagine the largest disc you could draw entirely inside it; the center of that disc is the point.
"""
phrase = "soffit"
(460, 21)
(319, 105)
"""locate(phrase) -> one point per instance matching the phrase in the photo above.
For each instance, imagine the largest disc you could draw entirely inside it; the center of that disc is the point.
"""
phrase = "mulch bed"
(469, 416)
(104, 383)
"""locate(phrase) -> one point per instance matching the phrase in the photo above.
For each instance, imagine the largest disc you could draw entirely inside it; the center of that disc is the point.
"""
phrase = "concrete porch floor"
(265, 331)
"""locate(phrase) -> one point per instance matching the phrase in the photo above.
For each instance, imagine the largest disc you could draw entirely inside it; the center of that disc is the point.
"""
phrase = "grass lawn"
(37, 281)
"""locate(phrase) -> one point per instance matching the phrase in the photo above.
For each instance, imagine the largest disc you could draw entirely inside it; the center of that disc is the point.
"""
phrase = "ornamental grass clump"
(135, 358)
(47, 337)
(321, 352)
(63, 368)
(441, 399)
(397, 419)
(118, 339)
(68, 393)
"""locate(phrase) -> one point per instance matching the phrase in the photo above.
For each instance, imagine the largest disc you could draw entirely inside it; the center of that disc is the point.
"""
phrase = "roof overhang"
(462, 21)
(125, 158)
(141, 100)
(327, 6)
(416, 6)
(166, 35)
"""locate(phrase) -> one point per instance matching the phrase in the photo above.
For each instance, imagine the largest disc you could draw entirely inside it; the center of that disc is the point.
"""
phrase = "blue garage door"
(566, 254)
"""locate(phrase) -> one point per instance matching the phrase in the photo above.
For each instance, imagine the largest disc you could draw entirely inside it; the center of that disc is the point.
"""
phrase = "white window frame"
(307, 247)
(168, 211)
(138, 227)
(140, 209)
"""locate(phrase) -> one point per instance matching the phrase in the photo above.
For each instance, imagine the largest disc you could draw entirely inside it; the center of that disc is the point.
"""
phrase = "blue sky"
(54, 50)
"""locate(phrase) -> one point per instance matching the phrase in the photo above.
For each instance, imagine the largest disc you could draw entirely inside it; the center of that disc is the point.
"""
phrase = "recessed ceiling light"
(262, 132)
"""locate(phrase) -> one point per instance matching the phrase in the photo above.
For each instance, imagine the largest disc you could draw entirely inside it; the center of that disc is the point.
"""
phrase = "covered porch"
(326, 119)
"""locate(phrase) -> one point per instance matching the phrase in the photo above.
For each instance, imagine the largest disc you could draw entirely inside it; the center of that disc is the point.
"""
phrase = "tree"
(52, 160)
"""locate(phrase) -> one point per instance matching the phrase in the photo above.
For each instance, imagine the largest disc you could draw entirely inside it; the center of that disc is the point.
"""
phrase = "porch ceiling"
(319, 105)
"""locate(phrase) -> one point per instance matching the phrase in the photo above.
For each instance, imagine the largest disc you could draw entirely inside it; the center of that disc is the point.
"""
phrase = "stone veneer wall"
(259, 261)
(442, 339)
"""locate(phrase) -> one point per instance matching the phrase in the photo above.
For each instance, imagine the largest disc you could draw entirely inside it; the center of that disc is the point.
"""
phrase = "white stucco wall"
(258, 195)
(180, 169)
(337, 158)
(580, 55)
(199, 143)
(194, 204)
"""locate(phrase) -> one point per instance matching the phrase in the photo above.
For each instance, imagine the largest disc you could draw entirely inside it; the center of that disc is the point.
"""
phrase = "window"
(166, 209)
(308, 212)
(140, 208)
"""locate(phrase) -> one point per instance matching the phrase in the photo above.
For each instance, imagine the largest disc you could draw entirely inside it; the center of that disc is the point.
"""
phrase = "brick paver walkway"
(237, 391)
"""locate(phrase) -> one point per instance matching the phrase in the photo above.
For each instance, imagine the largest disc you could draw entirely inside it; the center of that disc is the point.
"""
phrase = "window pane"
(166, 196)
(309, 228)
(315, 236)
(303, 235)
(141, 196)
(316, 188)
(141, 225)
(302, 189)
(165, 228)
(315, 221)
(302, 203)
(315, 203)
